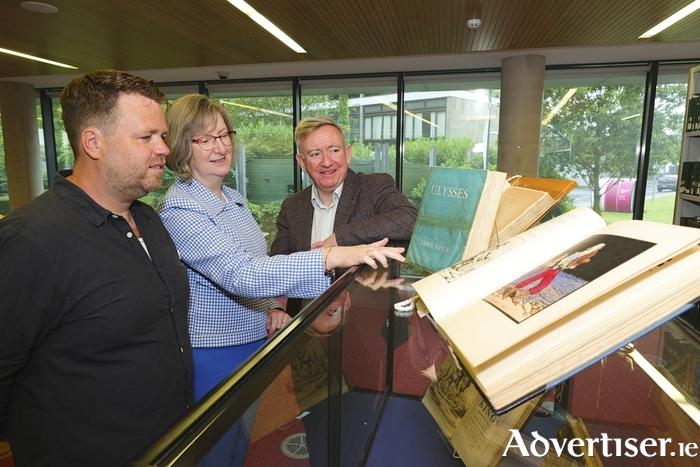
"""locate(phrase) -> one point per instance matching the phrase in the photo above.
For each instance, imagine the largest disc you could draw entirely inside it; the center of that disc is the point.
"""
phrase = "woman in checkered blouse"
(232, 280)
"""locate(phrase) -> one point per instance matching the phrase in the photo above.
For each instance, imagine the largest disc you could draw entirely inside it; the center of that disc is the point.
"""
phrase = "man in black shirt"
(95, 358)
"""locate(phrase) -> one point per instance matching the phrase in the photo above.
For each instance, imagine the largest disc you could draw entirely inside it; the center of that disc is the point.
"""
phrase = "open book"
(558, 188)
(455, 217)
(543, 305)
(477, 434)
(524, 202)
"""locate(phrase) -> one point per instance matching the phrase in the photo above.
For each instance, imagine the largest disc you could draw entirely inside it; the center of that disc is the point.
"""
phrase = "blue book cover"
(445, 222)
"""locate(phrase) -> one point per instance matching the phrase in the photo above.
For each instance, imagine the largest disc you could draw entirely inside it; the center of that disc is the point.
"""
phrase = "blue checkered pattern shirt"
(231, 277)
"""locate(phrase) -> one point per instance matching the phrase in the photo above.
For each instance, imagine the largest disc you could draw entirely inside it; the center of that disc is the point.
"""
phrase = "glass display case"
(351, 381)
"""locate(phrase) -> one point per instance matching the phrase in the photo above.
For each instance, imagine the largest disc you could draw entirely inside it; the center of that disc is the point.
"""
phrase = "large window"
(591, 130)
(64, 153)
(366, 109)
(262, 114)
(451, 121)
(42, 146)
(666, 136)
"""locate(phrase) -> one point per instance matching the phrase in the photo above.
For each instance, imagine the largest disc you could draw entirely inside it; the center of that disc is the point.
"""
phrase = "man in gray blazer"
(341, 207)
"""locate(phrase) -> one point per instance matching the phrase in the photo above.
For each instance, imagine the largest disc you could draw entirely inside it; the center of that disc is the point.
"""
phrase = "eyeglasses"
(207, 142)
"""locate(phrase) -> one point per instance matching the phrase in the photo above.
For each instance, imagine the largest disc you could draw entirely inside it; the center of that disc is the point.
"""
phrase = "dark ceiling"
(151, 35)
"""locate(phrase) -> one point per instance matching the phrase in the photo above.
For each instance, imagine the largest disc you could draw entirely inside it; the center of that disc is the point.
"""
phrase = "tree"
(266, 140)
(64, 153)
(602, 128)
(596, 134)
(667, 132)
(273, 110)
(343, 112)
(264, 124)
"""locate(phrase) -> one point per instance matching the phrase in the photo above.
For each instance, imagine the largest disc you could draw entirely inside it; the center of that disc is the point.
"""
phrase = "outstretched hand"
(346, 256)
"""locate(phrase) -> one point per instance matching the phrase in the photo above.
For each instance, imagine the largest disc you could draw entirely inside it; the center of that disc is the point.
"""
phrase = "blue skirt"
(213, 364)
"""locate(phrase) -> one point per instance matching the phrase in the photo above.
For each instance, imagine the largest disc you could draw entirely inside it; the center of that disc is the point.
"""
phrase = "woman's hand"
(346, 256)
(276, 318)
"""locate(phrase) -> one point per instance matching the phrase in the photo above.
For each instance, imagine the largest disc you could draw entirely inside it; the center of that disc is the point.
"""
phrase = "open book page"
(518, 209)
(464, 416)
(483, 435)
(485, 214)
(591, 332)
(448, 399)
(557, 188)
(564, 282)
(464, 282)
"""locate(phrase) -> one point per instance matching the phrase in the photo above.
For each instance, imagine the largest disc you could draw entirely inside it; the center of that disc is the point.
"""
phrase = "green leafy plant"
(266, 217)
(264, 140)
(416, 196)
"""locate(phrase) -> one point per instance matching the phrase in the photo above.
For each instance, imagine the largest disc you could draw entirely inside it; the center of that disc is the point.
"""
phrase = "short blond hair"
(308, 125)
(186, 117)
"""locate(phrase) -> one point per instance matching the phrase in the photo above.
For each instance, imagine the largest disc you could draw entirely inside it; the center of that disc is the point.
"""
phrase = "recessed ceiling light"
(674, 18)
(267, 25)
(38, 7)
(38, 59)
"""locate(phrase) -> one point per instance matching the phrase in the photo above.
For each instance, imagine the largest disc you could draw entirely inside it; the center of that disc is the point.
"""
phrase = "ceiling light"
(267, 25)
(31, 57)
(674, 18)
(38, 7)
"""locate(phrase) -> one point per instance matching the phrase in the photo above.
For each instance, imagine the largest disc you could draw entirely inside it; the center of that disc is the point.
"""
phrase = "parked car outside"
(667, 182)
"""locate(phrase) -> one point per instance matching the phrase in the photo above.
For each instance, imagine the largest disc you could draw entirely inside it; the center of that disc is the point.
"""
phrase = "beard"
(132, 182)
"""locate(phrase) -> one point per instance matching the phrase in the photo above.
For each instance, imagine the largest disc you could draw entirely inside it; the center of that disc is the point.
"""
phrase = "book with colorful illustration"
(536, 309)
